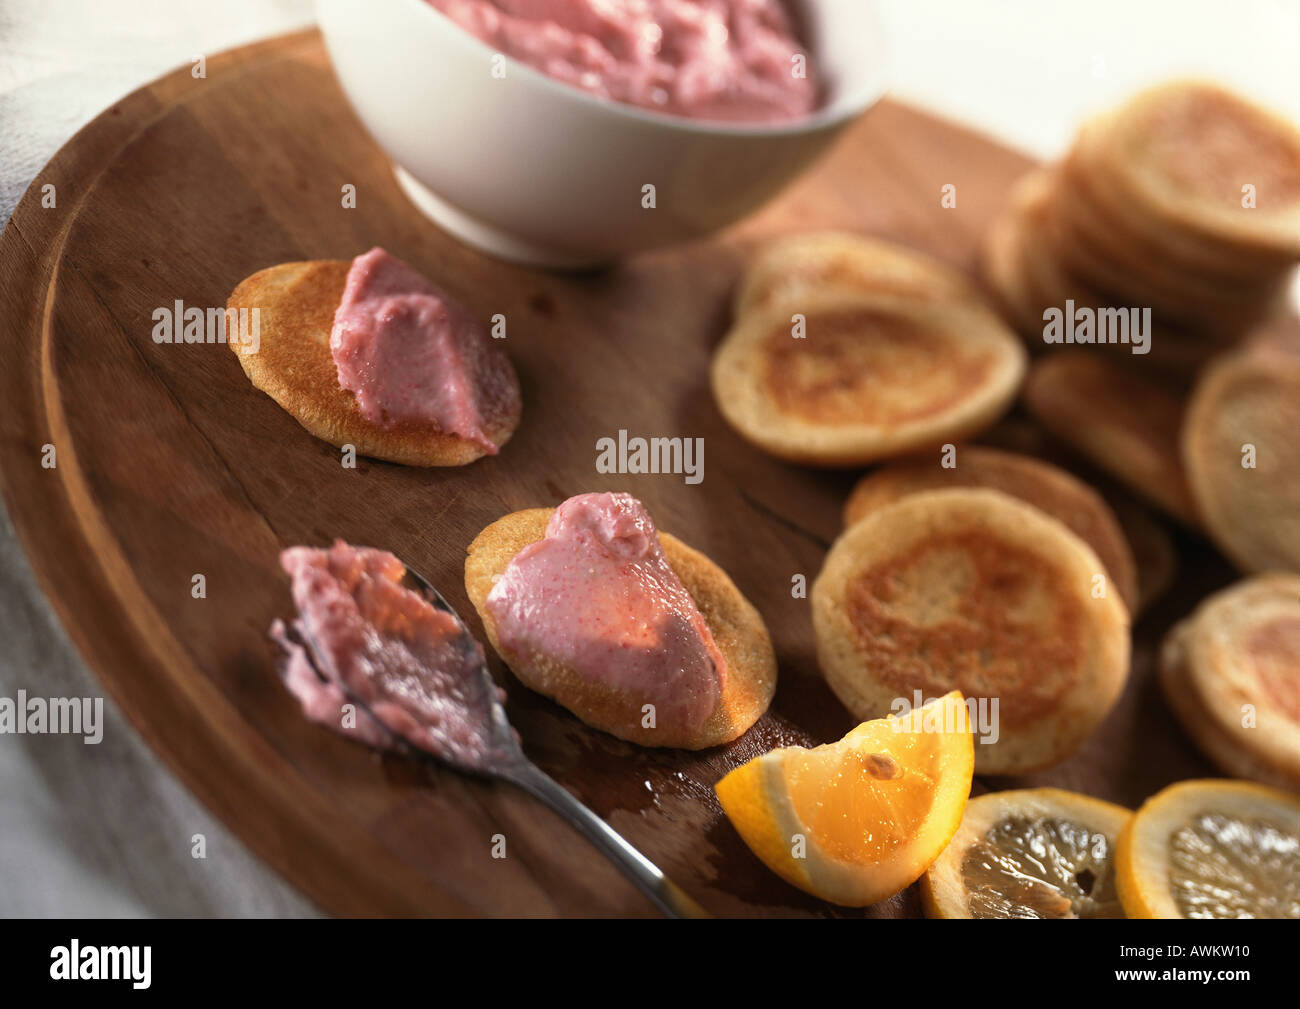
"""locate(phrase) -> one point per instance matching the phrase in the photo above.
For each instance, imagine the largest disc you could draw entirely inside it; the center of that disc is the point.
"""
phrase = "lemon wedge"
(856, 821)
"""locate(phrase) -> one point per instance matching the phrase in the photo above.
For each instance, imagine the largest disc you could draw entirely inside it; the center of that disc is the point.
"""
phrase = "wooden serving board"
(169, 464)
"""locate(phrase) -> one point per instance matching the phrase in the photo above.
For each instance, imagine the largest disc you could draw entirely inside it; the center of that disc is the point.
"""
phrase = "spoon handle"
(647, 876)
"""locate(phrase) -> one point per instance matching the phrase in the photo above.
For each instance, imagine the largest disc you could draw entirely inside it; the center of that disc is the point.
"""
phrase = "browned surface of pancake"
(1185, 149)
(872, 377)
(860, 366)
(1204, 141)
(1046, 487)
(971, 589)
(1123, 423)
(1248, 401)
(738, 631)
(293, 365)
(1230, 140)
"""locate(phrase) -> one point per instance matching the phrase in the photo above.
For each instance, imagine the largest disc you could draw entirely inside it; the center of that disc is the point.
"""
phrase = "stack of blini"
(961, 567)
(1231, 673)
(1184, 201)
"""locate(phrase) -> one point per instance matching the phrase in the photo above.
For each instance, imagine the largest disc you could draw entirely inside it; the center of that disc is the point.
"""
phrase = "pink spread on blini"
(362, 636)
(598, 595)
(412, 355)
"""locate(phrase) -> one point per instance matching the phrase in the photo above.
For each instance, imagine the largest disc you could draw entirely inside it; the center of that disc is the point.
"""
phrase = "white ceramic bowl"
(530, 169)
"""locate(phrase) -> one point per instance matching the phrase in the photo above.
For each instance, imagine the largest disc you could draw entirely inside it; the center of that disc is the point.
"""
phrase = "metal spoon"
(504, 760)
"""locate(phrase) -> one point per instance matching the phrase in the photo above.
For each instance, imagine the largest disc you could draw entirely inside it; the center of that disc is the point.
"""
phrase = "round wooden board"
(169, 464)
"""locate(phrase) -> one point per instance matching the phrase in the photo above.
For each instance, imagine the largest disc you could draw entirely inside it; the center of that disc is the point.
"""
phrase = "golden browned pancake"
(738, 631)
(293, 365)
(1046, 487)
(1122, 422)
(975, 591)
(1231, 673)
(1186, 149)
(870, 377)
(1092, 204)
(787, 270)
(1246, 408)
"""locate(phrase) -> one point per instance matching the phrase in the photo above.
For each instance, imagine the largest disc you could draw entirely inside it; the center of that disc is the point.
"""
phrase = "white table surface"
(105, 830)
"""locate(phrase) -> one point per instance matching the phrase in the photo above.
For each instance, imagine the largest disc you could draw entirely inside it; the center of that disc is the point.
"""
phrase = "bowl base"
(483, 236)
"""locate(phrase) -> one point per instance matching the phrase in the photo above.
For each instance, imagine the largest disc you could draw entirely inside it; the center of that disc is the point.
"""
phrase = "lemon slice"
(1212, 849)
(1030, 853)
(856, 821)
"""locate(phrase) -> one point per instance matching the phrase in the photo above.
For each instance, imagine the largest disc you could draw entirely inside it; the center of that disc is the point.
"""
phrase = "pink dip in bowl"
(721, 60)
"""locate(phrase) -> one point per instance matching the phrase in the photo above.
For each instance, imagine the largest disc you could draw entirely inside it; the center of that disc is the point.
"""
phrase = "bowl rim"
(824, 118)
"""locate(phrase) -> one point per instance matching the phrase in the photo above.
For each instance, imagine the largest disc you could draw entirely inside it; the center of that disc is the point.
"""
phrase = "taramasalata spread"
(722, 60)
(411, 354)
(360, 635)
(598, 595)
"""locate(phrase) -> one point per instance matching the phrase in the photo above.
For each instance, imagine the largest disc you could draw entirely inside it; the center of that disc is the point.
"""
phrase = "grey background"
(102, 830)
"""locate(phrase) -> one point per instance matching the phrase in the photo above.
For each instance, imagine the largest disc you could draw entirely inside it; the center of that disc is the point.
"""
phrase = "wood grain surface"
(170, 464)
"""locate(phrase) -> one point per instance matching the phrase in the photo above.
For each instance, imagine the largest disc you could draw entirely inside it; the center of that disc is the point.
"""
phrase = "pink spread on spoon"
(722, 60)
(412, 355)
(361, 634)
(598, 594)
